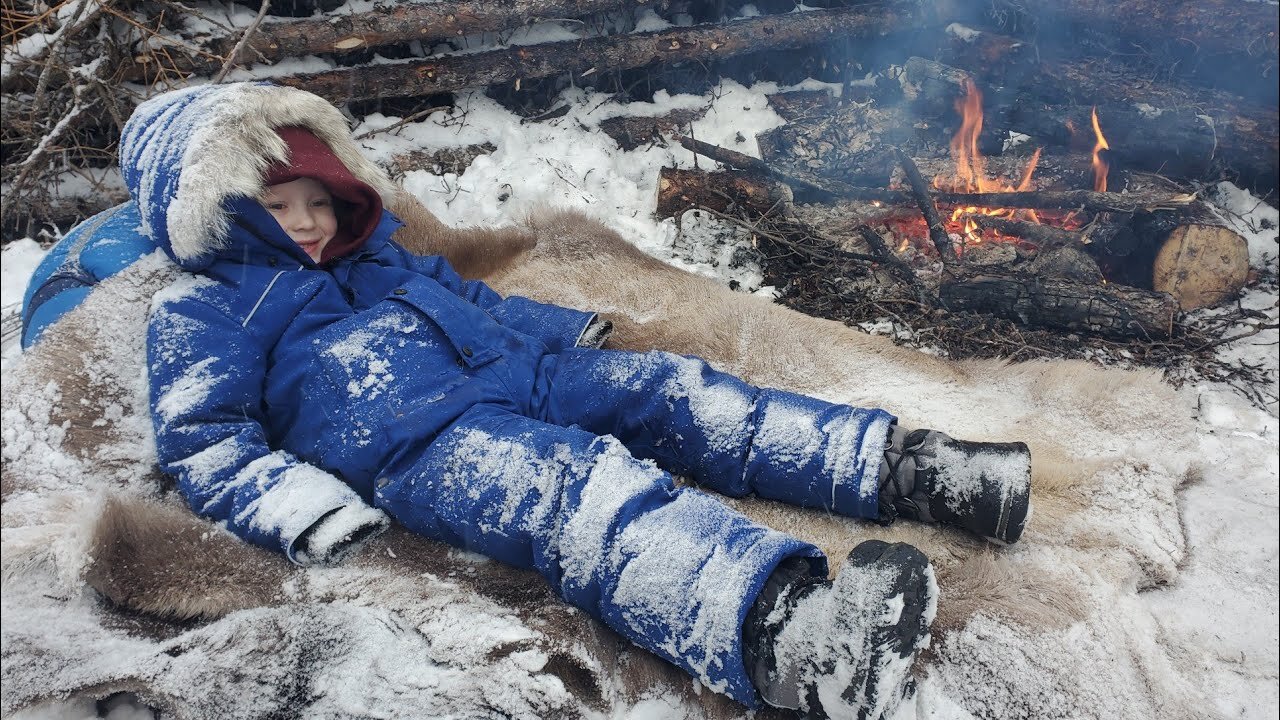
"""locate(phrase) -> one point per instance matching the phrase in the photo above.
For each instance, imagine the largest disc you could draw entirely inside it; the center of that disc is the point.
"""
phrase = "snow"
(1215, 626)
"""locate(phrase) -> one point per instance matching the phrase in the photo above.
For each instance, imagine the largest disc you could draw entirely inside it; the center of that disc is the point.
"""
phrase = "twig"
(402, 122)
(1239, 336)
(39, 151)
(71, 27)
(937, 231)
(235, 51)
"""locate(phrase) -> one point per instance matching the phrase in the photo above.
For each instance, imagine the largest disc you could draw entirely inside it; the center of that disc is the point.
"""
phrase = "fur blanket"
(110, 584)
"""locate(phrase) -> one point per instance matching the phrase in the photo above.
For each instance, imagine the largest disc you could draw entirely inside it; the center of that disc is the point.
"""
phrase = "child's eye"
(324, 202)
(276, 206)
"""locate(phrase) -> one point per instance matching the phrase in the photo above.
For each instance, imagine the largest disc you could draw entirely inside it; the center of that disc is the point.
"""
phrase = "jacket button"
(382, 481)
(400, 291)
(466, 350)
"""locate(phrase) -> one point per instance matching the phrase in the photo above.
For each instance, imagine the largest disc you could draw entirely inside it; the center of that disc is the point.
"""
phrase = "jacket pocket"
(468, 329)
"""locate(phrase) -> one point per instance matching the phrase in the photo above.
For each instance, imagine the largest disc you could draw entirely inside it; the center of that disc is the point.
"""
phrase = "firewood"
(724, 191)
(1048, 236)
(827, 189)
(1115, 311)
(1172, 141)
(1201, 265)
(630, 132)
(618, 52)
(1247, 132)
(920, 192)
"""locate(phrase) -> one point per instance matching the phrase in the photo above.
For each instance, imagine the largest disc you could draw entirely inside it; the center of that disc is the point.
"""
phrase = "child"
(311, 377)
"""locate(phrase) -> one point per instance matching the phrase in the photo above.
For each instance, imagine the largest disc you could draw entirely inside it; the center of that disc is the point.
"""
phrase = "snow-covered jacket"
(267, 413)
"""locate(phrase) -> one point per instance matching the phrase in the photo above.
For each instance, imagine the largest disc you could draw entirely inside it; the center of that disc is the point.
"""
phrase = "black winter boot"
(984, 488)
(842, 648)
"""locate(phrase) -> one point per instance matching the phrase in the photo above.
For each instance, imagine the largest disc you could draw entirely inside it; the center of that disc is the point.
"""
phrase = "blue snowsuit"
(284, 393)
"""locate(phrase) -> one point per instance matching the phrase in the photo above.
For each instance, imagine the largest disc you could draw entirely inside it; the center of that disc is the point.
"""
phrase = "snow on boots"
(982, 487)
(842, 648)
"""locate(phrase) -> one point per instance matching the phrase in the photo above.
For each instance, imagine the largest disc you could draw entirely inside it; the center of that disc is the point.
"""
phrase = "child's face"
(304, 209)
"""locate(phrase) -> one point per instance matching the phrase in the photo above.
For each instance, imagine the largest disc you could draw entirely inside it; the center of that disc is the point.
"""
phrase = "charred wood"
(578, 57)
(1102, 233)
(920, 192)
(1114, 311)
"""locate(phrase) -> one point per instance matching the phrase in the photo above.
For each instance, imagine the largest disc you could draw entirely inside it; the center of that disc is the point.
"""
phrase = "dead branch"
(234, 56)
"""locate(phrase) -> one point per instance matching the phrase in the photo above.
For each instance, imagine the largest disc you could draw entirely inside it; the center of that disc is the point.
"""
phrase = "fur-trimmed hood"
(185, 153)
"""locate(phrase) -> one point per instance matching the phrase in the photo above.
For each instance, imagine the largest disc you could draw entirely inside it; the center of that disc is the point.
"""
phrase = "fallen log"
(1201, 265)
(578, 57)
(386, 24)
(724, 191)
(1114, 311)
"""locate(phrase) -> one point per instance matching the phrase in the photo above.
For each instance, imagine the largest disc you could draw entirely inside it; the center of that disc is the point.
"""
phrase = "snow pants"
(575, 481)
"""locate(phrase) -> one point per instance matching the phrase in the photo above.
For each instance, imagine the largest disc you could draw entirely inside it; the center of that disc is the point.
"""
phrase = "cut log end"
(1201, 265)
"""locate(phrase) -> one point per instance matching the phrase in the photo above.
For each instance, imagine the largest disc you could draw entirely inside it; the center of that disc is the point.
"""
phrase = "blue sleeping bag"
(93, 251)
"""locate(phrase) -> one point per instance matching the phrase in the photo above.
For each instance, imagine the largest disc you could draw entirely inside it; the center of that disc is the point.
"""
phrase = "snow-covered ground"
(1223, 610)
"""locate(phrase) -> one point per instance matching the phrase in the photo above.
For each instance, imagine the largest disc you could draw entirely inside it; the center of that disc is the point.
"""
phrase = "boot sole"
(891, 647)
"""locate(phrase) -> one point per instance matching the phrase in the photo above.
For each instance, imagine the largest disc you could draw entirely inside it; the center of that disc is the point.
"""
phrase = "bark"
(632, 132)
(388, 24)
(1247, 132)
(1114, 311)
(723, 191)
(455, 72)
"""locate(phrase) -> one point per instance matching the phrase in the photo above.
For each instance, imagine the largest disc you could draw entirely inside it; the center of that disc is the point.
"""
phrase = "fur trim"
(229, 153)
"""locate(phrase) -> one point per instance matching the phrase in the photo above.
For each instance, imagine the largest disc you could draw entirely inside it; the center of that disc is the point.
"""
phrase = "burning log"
(618, 52)
(725, 191)
(1034, 199)
(920, 192)
(1181, 142)
(1100, 232)
(1115, 311)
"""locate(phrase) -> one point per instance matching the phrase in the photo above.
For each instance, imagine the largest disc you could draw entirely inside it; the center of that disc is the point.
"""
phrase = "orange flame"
(1100, 166)
(970, 165)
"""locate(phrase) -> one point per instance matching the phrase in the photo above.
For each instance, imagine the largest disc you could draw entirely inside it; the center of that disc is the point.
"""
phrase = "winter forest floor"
(1222, 613)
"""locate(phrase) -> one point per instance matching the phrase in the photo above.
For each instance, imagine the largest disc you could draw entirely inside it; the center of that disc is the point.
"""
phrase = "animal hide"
(147, 598)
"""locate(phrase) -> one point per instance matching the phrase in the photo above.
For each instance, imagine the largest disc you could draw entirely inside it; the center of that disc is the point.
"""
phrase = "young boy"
(311, 377)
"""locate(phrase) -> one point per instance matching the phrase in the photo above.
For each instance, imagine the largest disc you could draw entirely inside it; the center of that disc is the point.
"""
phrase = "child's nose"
(304, 219)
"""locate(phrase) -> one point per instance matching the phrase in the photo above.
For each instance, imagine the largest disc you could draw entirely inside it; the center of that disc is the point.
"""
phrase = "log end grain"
(1201, 265)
